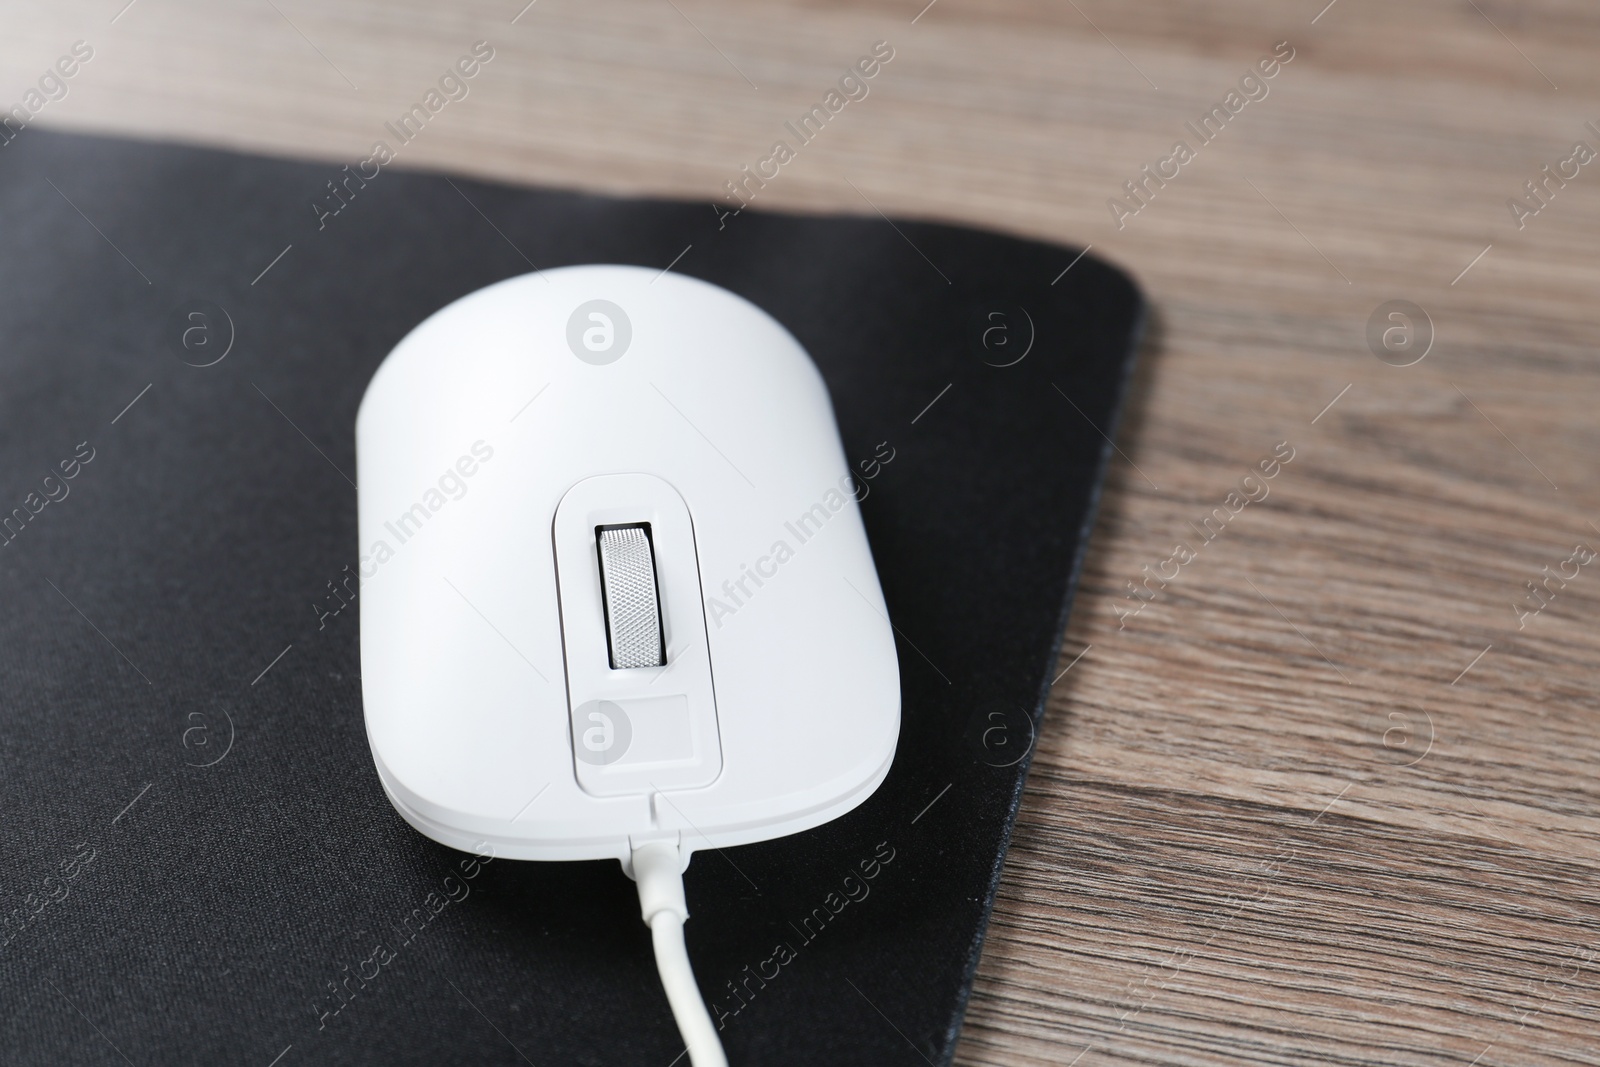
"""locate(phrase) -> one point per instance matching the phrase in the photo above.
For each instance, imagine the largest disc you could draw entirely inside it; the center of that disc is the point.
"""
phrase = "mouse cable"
(658, 868)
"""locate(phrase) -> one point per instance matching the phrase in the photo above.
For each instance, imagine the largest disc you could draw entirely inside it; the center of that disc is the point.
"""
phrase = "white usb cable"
(658, 869)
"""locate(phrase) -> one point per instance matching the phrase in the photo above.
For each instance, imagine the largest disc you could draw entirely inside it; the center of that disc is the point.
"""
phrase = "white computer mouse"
(615, 587)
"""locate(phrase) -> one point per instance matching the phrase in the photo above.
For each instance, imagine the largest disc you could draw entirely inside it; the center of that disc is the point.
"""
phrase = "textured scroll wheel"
(632, 603)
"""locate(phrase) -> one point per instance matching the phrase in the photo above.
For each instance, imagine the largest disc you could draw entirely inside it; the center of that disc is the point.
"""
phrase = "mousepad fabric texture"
(199, 863)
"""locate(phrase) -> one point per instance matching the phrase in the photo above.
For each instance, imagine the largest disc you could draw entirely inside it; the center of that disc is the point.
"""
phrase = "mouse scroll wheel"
(632, 602)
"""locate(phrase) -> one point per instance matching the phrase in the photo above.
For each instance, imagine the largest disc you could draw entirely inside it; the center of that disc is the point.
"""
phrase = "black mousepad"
(199, 864)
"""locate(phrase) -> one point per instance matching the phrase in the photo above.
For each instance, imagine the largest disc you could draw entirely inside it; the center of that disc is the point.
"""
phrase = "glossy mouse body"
(536, 462)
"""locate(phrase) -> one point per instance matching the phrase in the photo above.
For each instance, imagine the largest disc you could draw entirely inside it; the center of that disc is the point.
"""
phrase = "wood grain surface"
(1328, 797)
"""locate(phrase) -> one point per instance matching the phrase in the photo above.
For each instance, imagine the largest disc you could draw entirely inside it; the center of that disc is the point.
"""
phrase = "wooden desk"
(1326, 798)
